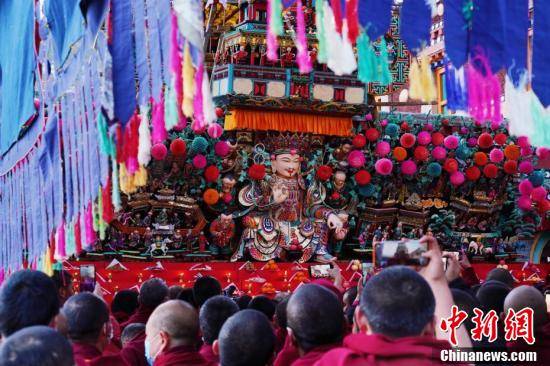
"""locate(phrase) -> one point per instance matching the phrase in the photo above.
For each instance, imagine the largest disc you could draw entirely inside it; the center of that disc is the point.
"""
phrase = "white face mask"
(150, 358)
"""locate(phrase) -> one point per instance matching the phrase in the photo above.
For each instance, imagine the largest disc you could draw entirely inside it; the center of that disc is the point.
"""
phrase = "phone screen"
(87, 277)
(548, 302)
(320, 270)
(404, 252)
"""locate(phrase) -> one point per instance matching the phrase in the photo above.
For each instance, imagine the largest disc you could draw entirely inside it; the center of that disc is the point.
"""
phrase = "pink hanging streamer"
(199, 123)
(175, 64)
(159, 128)
(131, 144)
(91, 236)
(61, 247)
(303, 60)
(483, 91)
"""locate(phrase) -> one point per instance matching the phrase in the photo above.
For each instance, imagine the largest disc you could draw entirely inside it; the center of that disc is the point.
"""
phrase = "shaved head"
(527, 297)
(315, 316)
(177, 319)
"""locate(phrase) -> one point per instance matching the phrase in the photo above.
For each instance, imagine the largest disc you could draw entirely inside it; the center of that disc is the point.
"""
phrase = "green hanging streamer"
(70, 243)
(170, 109)
(541, 123)
(367, 59)
(276, 14)
(384, 75)
(104, 140)
(322, 56)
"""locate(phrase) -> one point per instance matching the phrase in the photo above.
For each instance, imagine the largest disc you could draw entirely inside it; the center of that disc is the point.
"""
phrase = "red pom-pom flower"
(324, 172)
(256, 171)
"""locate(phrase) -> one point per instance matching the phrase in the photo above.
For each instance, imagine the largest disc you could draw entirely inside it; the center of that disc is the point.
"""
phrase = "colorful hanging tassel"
(483, 91)
(336, 7)
(144, 149)
(116, 187)
(78, 235)
(47, 266)
(421, 80)
(70, 240)
(103, 135)
(108, 211)
(171, 118)
(303, 60)
(455, 88)
(274, 28)
(321, 34)
(131, 143)
(175, 63)
(188, 83)
(541, 122)
(157, 120)
(367, 60)
(352, 19)
(60, 248)
(98, 215)
(91, 237)
(517, 105)
(341, 58)
(140, 178)
(198, 123)
(383, 67)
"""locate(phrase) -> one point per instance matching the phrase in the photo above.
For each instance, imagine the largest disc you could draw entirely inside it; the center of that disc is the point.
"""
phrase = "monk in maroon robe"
(315, 321)
(529, 297)
(396, 318)
(85, 319)
(213, 314)
(172, 335)
(152, 293)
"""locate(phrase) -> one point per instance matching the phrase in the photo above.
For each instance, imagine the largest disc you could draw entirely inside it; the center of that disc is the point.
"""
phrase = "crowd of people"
(391, 318)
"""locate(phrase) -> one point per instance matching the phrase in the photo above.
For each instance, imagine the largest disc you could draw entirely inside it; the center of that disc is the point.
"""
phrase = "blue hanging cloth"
(375, 16)
(488, 32)
(17, 68)
(541, 56)
(94, 12)
(516, 33)
(416, 21)
(456, 32)
(144, 92)
(66, 24)
(122, 52)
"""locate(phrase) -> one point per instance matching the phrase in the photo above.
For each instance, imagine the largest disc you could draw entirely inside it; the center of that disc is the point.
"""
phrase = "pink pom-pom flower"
(408, 167)
(382, 148)
(524, 202)
(538, 194)
(439, 153)
(199, 161)
(424, 138)
(496, 155)
(215, 130)
(221, 148)
(457, 178)
(451, 142)
(525, 187)
(356, 159)
(383, 166)
(526, 167)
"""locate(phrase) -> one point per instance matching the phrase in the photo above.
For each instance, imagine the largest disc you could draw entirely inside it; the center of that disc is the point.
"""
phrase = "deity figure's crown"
(287, 142)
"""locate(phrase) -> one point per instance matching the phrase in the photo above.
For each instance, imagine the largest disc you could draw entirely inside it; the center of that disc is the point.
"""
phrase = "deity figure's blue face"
(286, 165)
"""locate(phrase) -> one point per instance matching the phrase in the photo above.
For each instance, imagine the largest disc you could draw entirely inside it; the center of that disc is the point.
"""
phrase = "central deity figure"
(283, 214)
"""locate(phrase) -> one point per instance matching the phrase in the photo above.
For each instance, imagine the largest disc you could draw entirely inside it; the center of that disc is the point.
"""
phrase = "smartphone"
(446, 256)
(547, 297)
(87, 278)
(404, 252)
(320, 270)
(368, 271)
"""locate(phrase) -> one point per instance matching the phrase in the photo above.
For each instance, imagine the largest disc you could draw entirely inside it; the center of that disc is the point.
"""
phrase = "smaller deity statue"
(203, 242)
(162, 218)
(148, 237)
(241, 56)
(136, 220)
(177, 240)
(364, 237)
(398, 232)
(148, 220)
(378, 233)
(134, 240)
(222, 230)
(341, 154)
(227, 203)
(288, 58)
(313, 55)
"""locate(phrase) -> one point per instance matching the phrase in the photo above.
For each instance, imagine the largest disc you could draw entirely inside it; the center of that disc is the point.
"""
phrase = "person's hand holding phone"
(453, 270)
